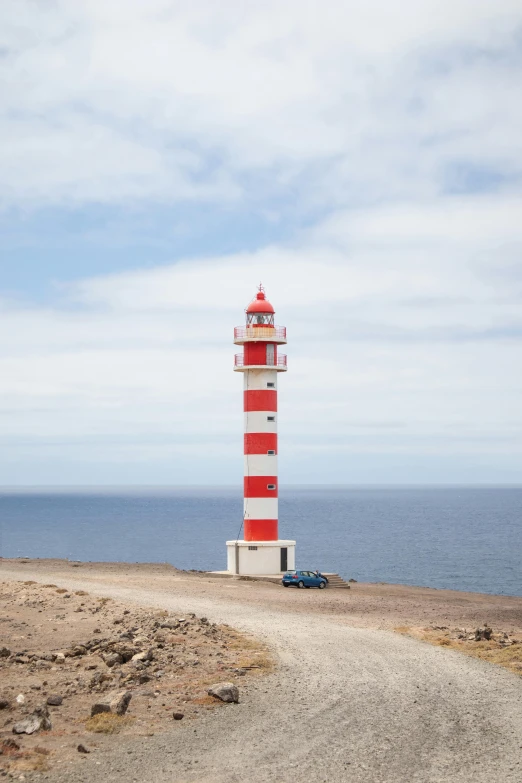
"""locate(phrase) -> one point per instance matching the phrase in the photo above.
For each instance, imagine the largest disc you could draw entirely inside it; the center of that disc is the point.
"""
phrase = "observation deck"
(279, 364)
(260, 334)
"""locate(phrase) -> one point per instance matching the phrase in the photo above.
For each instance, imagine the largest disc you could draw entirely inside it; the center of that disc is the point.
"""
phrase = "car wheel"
(322, 585)
(300, 584)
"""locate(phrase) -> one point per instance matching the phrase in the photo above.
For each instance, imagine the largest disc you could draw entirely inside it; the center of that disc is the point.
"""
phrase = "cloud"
(399, 342)
(381, 144)
(125, 101)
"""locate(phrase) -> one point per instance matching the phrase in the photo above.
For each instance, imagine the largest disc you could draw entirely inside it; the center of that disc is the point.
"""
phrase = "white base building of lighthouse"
(256, 558)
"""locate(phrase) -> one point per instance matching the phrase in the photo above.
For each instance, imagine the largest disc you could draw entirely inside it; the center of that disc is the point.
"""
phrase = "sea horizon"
(459, 537)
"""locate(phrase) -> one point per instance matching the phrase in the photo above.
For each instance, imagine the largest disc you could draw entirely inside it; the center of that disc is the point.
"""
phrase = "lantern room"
(260, 326)
(260, 312)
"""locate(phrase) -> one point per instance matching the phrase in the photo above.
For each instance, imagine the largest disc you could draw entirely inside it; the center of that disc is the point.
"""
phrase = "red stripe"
(261, 530)
(255, 353)
(265, 400)
(257, 486)
(260, 442)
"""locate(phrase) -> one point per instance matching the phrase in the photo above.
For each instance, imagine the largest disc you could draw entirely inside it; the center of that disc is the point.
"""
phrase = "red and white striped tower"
(261, 551)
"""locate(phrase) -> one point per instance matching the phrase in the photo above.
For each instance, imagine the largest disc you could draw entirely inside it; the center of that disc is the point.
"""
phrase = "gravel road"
(346, 704)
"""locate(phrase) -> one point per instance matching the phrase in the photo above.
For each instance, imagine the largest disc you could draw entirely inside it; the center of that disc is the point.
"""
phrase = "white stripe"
(257, 421)
(260, 465)
(257, 380)
(260, 508)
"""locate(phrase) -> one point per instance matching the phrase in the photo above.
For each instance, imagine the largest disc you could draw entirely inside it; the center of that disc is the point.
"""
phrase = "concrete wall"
(265, 559)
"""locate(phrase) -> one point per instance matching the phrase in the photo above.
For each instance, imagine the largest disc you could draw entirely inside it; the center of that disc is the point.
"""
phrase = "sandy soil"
(348, 701)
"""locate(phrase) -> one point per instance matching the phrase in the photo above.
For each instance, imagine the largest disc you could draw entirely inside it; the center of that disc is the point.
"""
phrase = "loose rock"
(82, 749)
(100, 706)
(178, 716)
(120, 702)
(54, 700)
(225, 691)
(113, 659)
(39, 719)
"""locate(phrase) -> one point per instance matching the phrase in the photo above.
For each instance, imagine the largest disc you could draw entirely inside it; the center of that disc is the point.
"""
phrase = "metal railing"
(261, 332)
(280, 361)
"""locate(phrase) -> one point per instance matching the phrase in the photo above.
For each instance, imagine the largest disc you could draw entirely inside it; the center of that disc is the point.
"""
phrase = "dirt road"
(347, 703)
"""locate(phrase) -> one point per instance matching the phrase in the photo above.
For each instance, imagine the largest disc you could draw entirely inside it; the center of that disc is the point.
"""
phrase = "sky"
(360, 158)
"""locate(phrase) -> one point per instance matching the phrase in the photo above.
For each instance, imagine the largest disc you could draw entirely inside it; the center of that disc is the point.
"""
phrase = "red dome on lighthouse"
(260, 304)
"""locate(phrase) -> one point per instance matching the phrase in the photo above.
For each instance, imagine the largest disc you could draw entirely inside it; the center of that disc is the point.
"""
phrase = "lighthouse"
(261, 551)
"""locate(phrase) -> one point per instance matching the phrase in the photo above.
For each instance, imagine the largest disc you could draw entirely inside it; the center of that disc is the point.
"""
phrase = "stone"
(39, 719)
(4, 704)
(178, 716)
(483, 634)
(120, 702)
(82, 749)
(20, 699)
(4, 652)
(141, 657)
(99, 707)
(112, 659)
(40, 664)
(54, 700)
(125, 651)
(59, 658)
(225, 691)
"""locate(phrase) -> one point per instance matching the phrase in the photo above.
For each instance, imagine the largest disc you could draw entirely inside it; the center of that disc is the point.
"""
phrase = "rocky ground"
(92, 667)
(349, 698)
(501, 647)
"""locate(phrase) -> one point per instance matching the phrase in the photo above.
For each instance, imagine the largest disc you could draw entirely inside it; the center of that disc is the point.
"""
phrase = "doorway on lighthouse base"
(284, 559)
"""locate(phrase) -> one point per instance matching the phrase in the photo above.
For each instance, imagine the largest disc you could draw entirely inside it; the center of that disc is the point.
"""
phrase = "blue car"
(304, 579)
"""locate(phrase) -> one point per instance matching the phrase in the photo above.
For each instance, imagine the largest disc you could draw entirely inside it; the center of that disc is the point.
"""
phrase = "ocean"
(461, 538)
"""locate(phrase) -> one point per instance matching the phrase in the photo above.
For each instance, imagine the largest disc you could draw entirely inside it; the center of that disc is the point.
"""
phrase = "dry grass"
(252, 653)
(108, 723)
(30, 761)
(238, 642)
(29, 582)
(206, 700)
(80, 592)
(61, 590)
(49, 585)
(261, 661)
(492, 651)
